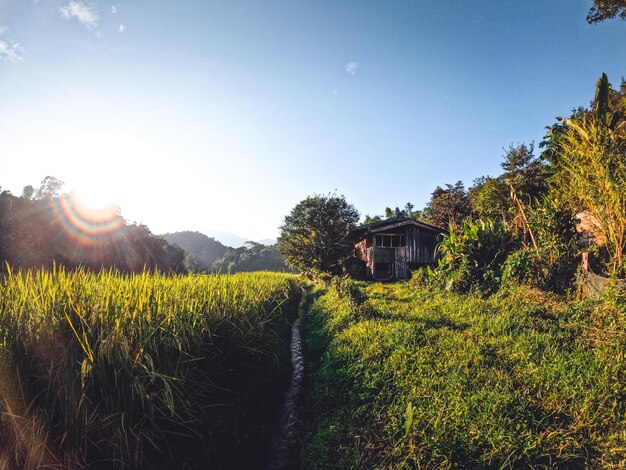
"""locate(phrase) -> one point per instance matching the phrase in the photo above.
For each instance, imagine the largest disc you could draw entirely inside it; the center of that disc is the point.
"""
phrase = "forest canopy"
(45, 226)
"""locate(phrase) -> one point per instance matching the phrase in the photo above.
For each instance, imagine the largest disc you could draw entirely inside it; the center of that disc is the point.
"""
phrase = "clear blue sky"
(222, 115)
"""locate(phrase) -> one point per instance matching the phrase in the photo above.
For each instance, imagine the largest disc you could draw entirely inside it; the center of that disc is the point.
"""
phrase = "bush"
(524, 267)
(472, 258)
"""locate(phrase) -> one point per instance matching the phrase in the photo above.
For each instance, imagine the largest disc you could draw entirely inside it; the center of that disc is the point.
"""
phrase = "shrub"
(472, 258)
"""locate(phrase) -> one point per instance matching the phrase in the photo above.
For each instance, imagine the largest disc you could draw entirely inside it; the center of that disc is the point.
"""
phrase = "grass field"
(404, 377)
(143, 370)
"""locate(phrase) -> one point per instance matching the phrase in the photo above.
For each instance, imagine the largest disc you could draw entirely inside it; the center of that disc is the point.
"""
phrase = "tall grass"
(141, 370)
(404, 377)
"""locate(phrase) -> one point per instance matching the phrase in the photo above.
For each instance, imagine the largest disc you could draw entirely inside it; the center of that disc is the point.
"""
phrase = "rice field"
(139, 371)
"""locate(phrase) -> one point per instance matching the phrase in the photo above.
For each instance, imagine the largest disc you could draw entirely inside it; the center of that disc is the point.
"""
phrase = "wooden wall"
(420, 250)
(421, 245)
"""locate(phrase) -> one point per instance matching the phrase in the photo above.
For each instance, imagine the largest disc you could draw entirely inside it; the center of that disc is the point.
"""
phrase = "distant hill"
(235, 241)
(228, 238)
(204, 249)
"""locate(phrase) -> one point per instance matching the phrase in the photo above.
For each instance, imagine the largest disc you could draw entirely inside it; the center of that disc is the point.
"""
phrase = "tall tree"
(490, 199)
(524, 173)
(449, 206)
(314, 236)
(50, 187)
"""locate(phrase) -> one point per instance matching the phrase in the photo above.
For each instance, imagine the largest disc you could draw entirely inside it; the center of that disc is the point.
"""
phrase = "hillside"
(205, 250)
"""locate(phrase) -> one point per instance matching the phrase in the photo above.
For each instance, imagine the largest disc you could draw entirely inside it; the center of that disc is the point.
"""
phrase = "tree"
(408, 211)
(490, 199)
(314, 237)
(449, 206)
(27, 192)
(370, 220)
(252, 257)
(50, 187)
(606, 9)
(524, 173)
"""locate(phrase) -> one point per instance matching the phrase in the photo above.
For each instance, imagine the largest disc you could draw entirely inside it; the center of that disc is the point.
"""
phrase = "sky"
(222, 115)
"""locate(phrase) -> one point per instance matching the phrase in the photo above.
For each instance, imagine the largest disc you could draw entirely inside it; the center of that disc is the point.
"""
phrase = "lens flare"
(85, 224)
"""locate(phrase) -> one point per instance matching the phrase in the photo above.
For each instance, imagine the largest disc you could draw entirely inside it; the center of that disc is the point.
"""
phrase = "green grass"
(404, 377)
(140, 370)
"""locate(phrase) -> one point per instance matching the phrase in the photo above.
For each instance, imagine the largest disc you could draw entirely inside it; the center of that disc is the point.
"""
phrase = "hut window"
(397, 241)
(390, 241)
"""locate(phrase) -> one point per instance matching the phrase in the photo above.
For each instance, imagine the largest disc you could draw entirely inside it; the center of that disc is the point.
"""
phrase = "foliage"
(449, 206)
(408, 211)
(144, 370)
(370, 220)
(592, 177)
(49, 228)
(439, 380)
(606, 9)
(490, 199)
(523, 181)
(50, 187)
(471, 259)
(253, 257)
(553, 264)
(524, 172)
(524, 266)
(204, 250)
(314, 237)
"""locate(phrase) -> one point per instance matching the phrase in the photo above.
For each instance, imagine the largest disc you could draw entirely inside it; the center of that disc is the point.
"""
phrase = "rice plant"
(128, 370)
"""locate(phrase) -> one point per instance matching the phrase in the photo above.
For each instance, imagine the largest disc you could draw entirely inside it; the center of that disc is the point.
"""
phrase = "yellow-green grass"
(404, 377)
(140, 370)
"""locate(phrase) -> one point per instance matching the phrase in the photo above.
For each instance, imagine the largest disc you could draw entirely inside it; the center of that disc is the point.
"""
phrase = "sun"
(94, 202)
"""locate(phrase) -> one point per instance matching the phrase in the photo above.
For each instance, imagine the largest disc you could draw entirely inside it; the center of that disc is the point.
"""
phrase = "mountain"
(235, 241)
(205, 250)
(228, 238)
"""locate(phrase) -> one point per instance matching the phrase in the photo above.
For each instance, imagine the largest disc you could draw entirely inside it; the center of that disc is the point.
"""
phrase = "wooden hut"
(389, 249)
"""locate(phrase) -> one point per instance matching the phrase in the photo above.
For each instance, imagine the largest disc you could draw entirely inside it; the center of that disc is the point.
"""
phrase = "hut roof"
(363, 231)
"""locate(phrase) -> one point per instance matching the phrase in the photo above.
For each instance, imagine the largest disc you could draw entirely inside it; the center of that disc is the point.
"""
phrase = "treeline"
(522, 225)
(205, 255)
(44, 226)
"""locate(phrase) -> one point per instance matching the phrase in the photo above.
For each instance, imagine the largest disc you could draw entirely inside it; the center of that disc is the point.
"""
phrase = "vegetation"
(44, 226)
(142, 370)
(606, 9)
(408, 211)
(472, 259)
(314, 236)
(448, 207)
(481, 361)
(201, 251)
(592, 177)
(252, 257)
(205, 255)
(408, 377)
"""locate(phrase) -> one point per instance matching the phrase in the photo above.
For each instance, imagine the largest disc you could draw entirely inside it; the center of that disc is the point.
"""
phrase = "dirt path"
(287, 438)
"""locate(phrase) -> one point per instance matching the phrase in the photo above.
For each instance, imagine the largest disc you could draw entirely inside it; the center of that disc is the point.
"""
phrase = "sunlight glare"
(94, 202)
